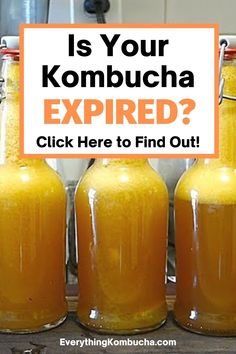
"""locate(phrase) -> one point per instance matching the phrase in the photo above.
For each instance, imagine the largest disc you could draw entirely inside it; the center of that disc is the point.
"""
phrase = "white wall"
(155, 11)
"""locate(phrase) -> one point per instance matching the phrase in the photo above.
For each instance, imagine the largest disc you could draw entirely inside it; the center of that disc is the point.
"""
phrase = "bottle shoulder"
(116, 180)
(32, 178)
(208, 184)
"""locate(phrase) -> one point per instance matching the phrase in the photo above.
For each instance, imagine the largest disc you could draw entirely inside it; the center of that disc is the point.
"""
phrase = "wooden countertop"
(186, 342)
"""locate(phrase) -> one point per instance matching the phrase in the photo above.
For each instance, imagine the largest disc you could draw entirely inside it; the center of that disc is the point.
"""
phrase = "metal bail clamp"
(11, 42)
(2, 93)
(225, 42)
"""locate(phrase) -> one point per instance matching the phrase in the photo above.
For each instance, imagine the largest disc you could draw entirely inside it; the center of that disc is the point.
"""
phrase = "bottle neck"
(227, 121)
(9, 118)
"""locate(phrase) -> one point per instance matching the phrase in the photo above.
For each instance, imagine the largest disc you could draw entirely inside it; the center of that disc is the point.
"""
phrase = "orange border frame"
(216, 91)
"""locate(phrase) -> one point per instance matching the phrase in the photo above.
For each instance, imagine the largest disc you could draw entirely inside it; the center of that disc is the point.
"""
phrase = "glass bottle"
(205, 221)
(121, 208)
(32, 225)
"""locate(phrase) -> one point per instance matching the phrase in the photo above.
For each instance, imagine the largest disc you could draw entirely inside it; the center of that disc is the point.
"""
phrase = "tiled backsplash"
(155, 11)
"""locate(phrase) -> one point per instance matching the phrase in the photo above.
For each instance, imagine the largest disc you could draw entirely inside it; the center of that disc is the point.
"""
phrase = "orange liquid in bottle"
(205, 214)
(121, 211)
(32, 230)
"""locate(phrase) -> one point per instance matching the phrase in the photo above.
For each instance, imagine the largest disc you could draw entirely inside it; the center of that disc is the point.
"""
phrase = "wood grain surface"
(186, 342)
